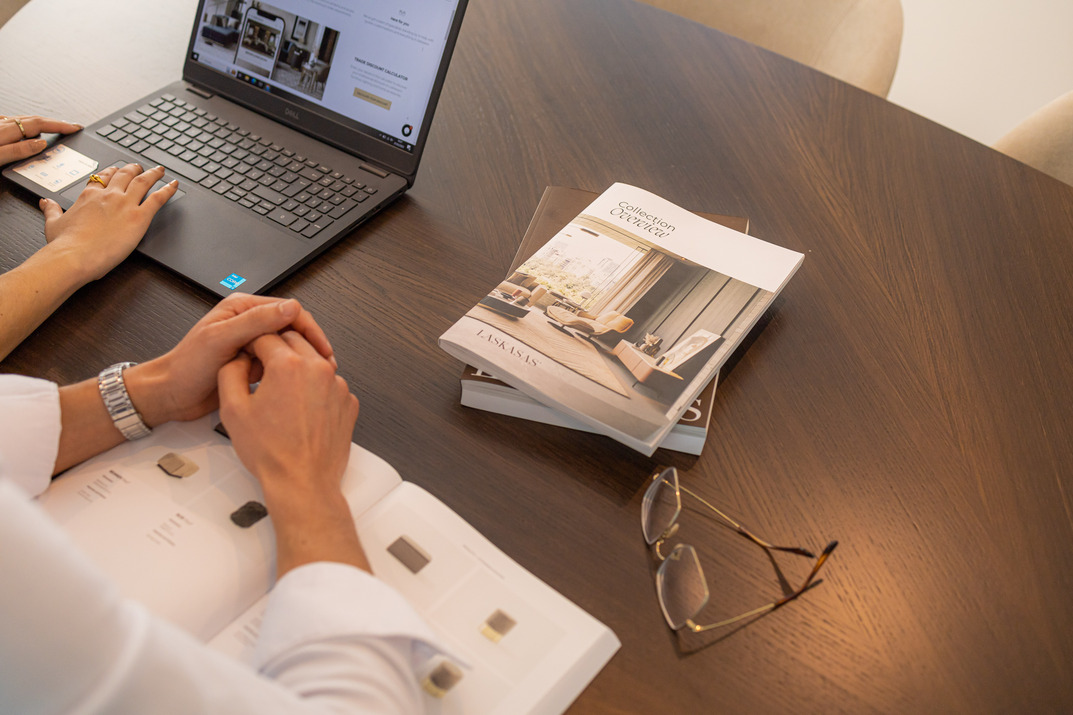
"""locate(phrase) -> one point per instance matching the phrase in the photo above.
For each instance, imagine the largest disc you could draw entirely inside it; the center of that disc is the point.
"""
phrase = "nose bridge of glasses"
(658, 544)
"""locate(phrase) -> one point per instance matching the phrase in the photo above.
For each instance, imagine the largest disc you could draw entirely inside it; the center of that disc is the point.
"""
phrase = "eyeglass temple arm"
(816, 567)
(807, 586)
(745, 532)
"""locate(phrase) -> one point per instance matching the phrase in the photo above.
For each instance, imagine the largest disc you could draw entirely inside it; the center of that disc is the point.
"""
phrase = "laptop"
(293, 123)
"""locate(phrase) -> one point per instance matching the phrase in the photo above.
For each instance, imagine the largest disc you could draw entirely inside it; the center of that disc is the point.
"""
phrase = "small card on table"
(57, 168)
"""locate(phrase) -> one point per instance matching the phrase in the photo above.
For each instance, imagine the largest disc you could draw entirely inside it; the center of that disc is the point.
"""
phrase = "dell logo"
(292, 113)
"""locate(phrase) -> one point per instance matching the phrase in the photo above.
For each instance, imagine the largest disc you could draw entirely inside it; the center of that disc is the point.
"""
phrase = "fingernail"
(38, 144)
(288, 307)
(174, 182)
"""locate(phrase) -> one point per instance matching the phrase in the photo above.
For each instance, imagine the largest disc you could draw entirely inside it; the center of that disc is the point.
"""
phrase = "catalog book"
(177, 522)
(622, 318)
(482, 391)
(558, 206)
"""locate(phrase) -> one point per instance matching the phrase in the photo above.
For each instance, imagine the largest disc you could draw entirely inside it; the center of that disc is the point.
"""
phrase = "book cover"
(558, 205)
(172, 520)
(630, 270)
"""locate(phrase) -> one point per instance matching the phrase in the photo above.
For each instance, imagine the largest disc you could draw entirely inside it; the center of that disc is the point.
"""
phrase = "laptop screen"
(372, 66)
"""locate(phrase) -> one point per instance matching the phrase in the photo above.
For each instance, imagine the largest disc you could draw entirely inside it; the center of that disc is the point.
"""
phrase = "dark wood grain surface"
(908, 394)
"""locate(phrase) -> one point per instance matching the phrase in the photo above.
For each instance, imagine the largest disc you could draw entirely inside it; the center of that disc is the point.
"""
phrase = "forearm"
(87, 428)
(312, 527)
(31, 292)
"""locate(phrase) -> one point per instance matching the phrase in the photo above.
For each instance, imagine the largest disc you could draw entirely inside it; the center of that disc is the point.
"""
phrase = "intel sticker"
(233, 281)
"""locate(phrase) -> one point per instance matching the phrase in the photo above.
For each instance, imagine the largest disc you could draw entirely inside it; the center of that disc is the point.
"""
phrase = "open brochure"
(625, 315)
(175, 520)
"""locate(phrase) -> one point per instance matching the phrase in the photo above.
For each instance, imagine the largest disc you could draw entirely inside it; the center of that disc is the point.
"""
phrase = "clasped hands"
(293, 431)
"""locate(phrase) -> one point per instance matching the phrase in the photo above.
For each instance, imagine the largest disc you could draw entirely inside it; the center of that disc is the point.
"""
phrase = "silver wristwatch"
(117, 402)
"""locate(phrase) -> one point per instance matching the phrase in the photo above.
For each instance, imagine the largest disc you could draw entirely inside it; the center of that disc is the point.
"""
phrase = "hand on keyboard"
(108, 219)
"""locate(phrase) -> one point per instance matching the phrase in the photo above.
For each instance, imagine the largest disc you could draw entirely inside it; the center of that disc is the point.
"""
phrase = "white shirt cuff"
(29, 431)
(300, 611)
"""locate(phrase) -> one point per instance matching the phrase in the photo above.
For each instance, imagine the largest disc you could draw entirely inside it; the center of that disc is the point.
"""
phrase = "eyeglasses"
(680, 583)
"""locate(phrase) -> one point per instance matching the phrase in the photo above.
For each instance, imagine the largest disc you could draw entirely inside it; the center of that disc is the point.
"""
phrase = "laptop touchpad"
(73, 192)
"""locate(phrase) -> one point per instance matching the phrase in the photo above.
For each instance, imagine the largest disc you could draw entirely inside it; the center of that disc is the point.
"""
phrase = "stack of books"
(616, 315)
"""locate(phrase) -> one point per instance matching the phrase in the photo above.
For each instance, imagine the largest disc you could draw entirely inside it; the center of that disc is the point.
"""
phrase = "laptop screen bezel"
(343, 136)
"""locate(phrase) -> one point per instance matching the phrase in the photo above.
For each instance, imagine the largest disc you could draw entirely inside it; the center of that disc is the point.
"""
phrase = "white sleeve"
(29, 431)
(336, 640)
(307, 639)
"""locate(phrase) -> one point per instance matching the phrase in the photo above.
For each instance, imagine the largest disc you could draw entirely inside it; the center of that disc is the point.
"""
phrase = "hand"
(181, 384)
(16, 143)
(107, 221)
(294, 435)
(294, 431)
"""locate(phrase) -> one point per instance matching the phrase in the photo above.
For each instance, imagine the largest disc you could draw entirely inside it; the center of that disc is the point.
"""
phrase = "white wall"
(980, 66)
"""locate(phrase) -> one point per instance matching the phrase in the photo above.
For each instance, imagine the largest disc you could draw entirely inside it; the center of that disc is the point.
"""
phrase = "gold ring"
(19, 125)
(98, 179)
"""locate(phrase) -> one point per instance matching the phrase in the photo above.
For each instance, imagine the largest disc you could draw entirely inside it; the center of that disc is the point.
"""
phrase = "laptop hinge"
(200, 92)
(373, 170)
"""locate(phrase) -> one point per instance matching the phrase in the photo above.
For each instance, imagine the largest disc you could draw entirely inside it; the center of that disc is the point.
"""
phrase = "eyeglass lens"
(681, 586)
(661, 505)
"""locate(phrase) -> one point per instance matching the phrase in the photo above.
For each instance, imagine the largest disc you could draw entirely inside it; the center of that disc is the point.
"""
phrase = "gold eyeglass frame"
(669, 476)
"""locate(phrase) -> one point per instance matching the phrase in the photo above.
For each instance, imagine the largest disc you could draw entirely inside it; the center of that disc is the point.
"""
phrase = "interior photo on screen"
(269, 42)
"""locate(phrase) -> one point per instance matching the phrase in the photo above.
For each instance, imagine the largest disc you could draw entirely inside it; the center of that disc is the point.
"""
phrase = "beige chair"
(1045, 139)
(857, 41)
(541, 298)
(591, 325)
(8, 8)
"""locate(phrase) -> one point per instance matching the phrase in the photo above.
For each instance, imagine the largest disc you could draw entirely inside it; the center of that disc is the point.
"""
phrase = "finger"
(232, 305)
(232, 381)
(156, 200)
(311, 331)
(13, 129)
(21, 150)
(106, 175)
(267, 348)
(50, 209)
(145, 180)
(257, 371)
(236, 303)
(353, 404)
(34, 125)
(299, 344)
(263, 318)
(97, 182)
(122, 177)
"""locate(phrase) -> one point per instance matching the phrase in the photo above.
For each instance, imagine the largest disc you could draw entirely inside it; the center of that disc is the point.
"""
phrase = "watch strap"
(117, 402)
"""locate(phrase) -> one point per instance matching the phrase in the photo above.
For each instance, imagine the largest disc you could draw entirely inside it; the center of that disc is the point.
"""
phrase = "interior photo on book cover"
(611, 321)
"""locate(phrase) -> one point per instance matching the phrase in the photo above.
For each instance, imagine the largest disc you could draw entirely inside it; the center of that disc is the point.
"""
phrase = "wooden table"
(909, 393)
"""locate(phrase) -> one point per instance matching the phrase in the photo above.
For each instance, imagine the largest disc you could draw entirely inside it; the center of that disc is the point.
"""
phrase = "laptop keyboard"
(293, 190)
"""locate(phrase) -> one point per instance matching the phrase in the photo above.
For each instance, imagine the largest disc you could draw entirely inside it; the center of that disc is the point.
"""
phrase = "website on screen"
(372, 62)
